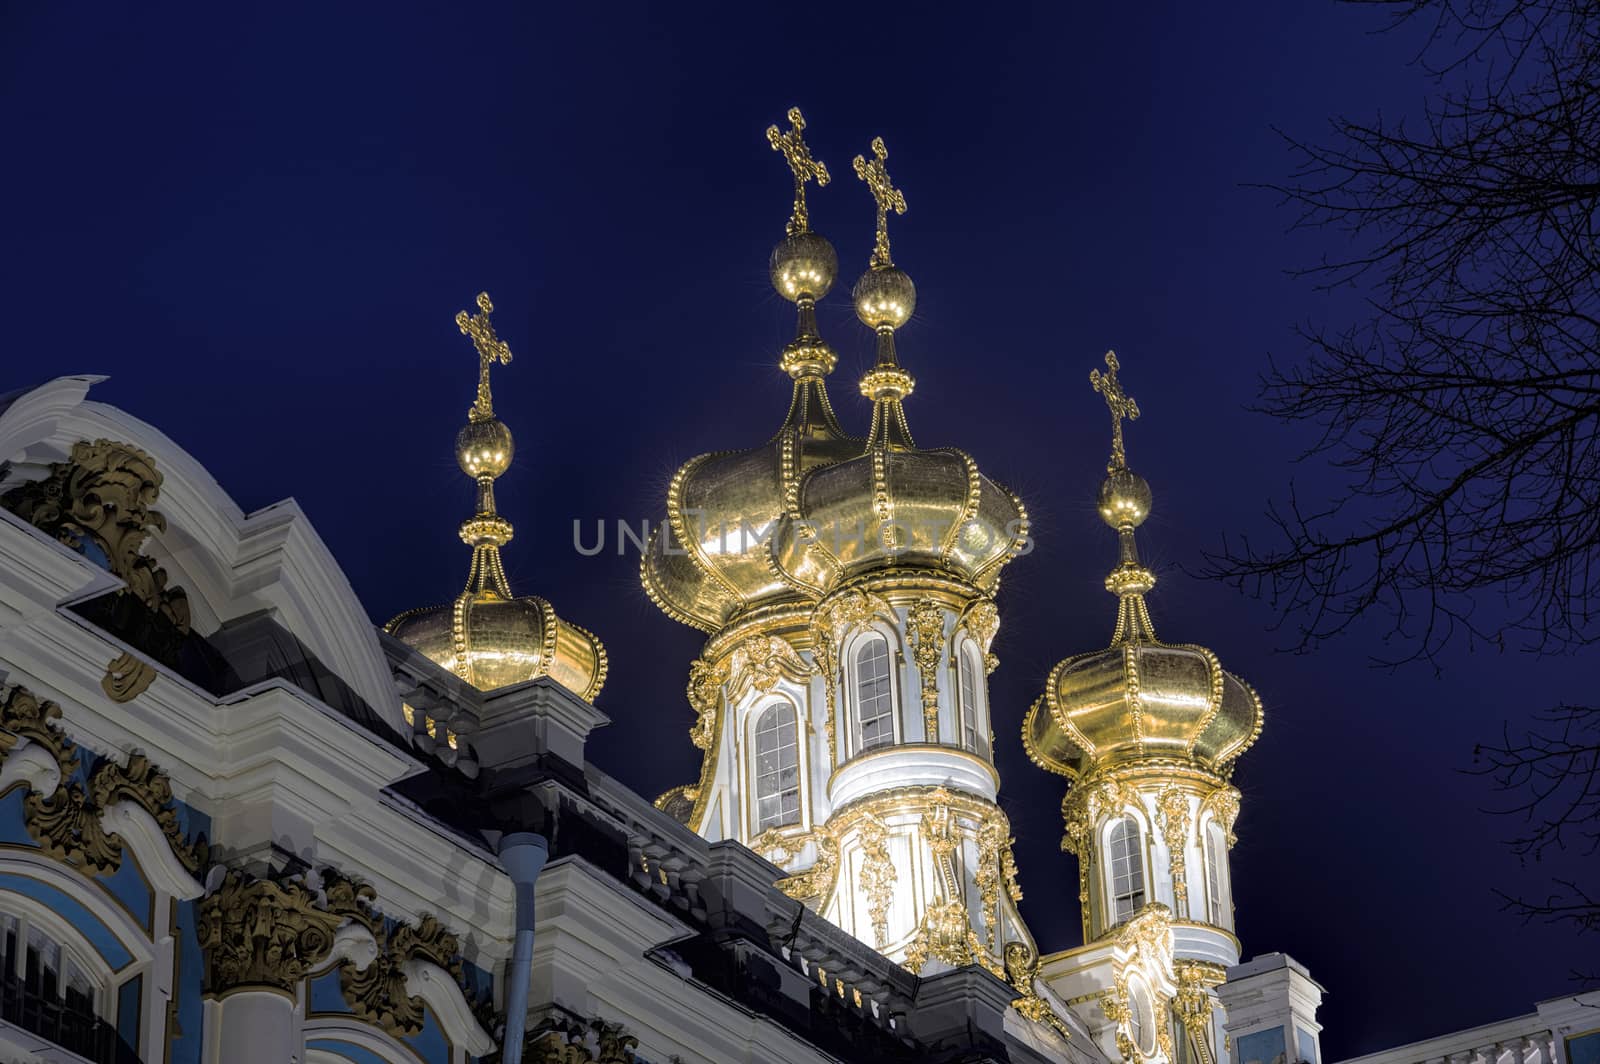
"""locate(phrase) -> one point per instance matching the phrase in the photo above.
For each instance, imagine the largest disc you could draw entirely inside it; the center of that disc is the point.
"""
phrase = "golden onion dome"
(1140, 698)
(893, 504)
(487, 636)
(493, 641)
(711, 559)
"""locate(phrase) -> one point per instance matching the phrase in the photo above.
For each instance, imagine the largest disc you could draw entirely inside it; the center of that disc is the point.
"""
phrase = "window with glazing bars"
(874, 701)
(777, 768)
(971, 737)
(1127, 869)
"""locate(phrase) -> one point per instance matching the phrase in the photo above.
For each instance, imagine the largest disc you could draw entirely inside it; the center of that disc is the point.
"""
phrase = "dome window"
(874, 701)
(1126, 862)
(777, 768)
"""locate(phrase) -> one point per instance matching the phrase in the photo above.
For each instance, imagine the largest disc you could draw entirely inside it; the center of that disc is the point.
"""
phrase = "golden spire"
(1124, 504)
(490, 349)
(1121, 405)
(885, 298)
(484, 450)
(888, 198)
(793, 146)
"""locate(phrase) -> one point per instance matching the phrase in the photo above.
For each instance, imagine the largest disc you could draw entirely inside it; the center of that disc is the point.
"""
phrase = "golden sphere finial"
(1125, 499)
(484, 448)
(803, 266)
(885, 297)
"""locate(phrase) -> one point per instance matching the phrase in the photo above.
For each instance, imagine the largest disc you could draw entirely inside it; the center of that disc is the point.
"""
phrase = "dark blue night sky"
(261, 223)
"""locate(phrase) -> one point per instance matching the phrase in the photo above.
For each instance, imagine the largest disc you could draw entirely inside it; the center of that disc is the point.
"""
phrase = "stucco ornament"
(67, 821)
(263, 933)
(378, 993)
(926, 624)
(1022, 967)
(101, 498)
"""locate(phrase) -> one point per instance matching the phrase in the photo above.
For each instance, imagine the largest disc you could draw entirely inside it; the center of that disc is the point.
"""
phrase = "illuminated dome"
(487, 636)
(711, 560)
(1140, 698)
(892, 504)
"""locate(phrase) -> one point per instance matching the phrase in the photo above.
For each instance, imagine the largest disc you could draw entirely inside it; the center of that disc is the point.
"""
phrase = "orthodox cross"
(798, 156)
(1121, 405)
(889, 198)
(490, 349)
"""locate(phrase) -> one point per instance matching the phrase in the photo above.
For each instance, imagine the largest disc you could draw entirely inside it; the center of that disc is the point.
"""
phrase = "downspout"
(523, 855)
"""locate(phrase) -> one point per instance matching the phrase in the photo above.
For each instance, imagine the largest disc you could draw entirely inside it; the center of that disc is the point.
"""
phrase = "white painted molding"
(32, 765)
(140, 833)
(433, 984)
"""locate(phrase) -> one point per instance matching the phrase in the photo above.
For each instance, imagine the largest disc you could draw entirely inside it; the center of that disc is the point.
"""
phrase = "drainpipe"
(523, 855)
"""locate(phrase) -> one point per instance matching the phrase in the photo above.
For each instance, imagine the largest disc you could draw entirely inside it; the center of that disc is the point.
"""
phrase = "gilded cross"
(876, 175)
(491, 349)
(805, 168)
(1121, 405)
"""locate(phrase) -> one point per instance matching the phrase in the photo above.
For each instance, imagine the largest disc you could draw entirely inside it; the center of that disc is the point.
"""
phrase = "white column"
(255, 1026)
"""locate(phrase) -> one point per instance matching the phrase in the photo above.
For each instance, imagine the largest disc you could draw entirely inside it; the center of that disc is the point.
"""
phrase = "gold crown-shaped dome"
(899, 506)
(487, 636)
(1140, 698)
(712, 559)
(493, 642)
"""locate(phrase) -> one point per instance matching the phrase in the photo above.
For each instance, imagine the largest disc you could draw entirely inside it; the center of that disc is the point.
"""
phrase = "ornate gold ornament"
(101, 497)
(982, 622)
(574, 1042)
(760, 662)
(925, 621)
(887, 197)
(1194, 1001)
(377, 994)
(66, 823)
(1021, 969)
(993, 839)
(705, 692)
(793, 146)
(816, 884)
(877, 874)
(1172, 814)
(786, 845)
(263, 933)
(1223, 805)
(945, 933)
(127, 677)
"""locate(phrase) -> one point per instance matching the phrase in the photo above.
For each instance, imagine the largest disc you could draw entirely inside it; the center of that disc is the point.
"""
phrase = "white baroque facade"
(240, 824)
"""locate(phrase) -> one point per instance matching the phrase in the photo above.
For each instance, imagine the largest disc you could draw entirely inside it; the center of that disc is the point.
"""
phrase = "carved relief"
(263, 933)
(377, 994)
(101, 498)
(877, 875)
(925, 622)
(573, 1042)
(1223, 805)
(982, 622)
(705, 691)
(1172, 814)
(816, 883)
(945, 933)
(66, 823)
(759, 662)
(1021, 968)
(1194, 1001)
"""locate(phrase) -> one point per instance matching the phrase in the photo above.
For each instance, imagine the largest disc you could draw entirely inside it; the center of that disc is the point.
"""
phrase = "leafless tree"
(1463, 404)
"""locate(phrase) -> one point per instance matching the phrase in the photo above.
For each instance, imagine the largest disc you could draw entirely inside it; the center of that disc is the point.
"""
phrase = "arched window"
(974, 736)
(1126, 861)
(874, 698)
(777, 768)
(58, 996)
(1216, 904)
